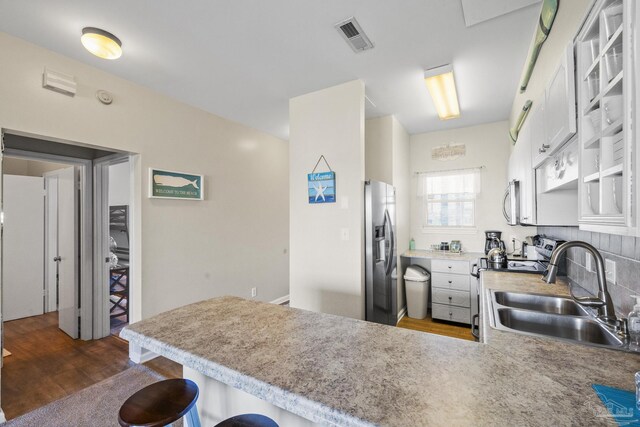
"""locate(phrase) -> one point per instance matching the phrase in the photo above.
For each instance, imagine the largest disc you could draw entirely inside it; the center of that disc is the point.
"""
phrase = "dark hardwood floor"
(439, 327)
(46, 364)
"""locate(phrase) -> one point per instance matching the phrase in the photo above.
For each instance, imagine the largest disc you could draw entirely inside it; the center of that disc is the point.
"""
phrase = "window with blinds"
(449, 198)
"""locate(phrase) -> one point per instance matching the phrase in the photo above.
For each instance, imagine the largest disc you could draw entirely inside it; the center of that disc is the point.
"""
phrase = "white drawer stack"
(450, 292)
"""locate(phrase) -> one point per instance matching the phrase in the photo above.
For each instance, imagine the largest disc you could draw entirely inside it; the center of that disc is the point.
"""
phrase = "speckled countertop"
(426, 253)
(573, 366)
(340, 371)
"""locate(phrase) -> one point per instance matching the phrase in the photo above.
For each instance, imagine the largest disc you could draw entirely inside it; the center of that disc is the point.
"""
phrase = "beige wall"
(402, 183)
(571, 14)
(236, 239)
(120, 184)
(486, 145)
(14, 166)
(387, 160)
(327, 272)
(378, 153)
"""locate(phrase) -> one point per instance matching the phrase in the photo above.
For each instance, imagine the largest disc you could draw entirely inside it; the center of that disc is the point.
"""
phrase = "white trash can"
(417, 281)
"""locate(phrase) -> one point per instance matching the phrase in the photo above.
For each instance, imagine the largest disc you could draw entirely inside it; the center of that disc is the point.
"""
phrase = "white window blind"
(449, 197)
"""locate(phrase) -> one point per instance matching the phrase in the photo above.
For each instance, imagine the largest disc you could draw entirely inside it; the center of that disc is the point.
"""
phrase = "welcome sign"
(175, 185)
(321, 187)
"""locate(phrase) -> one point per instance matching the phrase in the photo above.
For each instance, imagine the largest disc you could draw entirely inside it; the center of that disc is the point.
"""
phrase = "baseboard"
(402, 313)
(281, 300)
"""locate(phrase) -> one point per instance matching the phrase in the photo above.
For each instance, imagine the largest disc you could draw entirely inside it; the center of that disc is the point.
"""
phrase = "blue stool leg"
(192, 419)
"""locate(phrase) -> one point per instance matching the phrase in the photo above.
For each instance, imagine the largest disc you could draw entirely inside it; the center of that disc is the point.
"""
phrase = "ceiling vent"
(352, 33)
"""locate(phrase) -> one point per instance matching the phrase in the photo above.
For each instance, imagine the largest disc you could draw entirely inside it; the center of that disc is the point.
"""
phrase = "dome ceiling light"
(101, 43)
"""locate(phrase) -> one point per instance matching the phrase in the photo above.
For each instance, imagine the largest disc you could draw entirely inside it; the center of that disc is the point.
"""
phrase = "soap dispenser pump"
(634, 322)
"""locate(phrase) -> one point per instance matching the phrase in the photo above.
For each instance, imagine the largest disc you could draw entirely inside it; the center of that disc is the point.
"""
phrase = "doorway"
(119, 202)
(65, 204)
(41, 229)
(86, 227)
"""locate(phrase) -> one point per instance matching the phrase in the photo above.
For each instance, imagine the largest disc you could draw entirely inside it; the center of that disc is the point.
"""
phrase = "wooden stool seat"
(160, 404)
(248, 420)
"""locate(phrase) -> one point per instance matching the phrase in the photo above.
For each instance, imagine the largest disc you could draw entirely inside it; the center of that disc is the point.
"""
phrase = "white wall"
(236, 239)
(326, 272)
(120, 184)
(486, 145)
(378, 153)
(402, 183)
(571, 14)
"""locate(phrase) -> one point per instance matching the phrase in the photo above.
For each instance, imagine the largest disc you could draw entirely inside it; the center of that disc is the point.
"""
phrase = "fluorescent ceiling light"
(442, 87)
(101, 43)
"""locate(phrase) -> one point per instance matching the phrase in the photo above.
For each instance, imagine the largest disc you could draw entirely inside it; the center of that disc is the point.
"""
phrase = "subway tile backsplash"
(623, 250)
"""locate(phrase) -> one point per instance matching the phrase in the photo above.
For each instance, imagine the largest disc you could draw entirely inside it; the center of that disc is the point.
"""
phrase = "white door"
(67, 253)
(23, 242)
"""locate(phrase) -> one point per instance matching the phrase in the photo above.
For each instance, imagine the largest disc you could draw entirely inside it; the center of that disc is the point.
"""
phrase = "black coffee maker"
(493, 241)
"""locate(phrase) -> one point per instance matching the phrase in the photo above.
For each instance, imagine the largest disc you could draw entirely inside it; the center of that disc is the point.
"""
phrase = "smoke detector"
(352, 33)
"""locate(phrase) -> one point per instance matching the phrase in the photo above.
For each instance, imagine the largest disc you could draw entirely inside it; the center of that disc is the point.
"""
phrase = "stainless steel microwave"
(511, 203)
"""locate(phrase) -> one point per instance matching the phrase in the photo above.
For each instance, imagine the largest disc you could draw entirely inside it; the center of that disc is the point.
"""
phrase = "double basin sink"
(550, 316)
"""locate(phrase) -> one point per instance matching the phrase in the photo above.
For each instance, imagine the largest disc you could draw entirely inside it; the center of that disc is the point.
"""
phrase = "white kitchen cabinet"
(560, 104)
(538, 135)
(452, 298)
(553, 117)
(606, 99)
(548, 194)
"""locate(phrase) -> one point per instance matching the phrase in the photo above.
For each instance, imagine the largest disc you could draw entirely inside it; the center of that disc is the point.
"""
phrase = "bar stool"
(165, 402)
(160, 404)
(248, 420)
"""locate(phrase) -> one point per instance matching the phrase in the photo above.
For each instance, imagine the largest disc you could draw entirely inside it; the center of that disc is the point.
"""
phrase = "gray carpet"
(97, 405)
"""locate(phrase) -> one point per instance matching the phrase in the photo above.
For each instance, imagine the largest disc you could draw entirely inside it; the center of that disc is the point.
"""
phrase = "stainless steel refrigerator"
(380, 252)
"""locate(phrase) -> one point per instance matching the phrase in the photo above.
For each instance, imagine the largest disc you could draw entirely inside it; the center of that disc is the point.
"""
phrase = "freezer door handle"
(389, 227)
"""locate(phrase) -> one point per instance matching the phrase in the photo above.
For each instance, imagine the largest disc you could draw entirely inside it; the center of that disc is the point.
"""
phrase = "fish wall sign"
(321, 187)
(175, 185)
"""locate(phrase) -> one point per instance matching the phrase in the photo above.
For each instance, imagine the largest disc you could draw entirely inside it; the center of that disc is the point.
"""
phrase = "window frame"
(459, 229)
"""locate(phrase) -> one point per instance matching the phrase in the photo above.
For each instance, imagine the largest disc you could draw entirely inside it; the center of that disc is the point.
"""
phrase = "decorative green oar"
(547, 16)
(515, 130)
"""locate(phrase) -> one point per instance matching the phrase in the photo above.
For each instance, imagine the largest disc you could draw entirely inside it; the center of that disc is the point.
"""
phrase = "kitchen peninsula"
(321, 369)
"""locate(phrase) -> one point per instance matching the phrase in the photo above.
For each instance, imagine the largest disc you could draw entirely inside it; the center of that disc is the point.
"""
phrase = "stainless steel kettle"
(497, 258)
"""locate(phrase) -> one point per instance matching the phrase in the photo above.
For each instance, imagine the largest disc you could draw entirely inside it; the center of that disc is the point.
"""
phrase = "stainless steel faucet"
(603, 302)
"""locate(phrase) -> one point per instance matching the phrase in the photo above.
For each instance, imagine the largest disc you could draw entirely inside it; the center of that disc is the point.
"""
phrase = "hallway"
(47, 365)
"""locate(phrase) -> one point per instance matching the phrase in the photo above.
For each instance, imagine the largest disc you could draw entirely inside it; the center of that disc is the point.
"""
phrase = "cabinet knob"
(545, 146)
(450, 281)
(449, 266)
(450, 314)
(541, 150)
(450, 298)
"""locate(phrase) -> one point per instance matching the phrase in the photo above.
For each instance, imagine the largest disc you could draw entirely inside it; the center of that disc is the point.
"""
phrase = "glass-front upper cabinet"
(605, 95)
